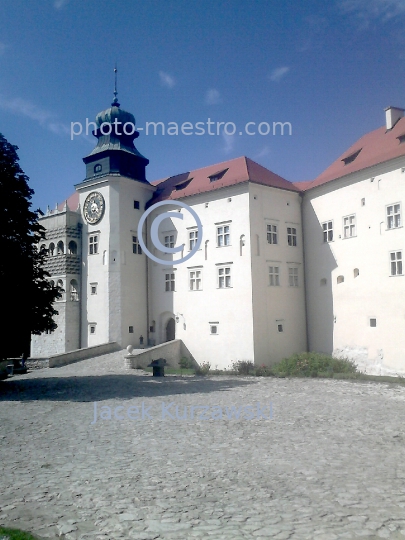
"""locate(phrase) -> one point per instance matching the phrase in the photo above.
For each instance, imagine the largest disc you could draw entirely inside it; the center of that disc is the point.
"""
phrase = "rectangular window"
(224, 277)
(396, 263)
(136, 246)
(130, 329)
(293, 277)
(93, 288)
(327, 228)
(223, 236)
(136, 205)
(373, 323)
(291, 236)
(192, 237)
(169, 282)
(92, 328)
(195, 280)
(274, 276)
(393, 216)
(169, 241)
(272, 234)
(214, 329)
(93, 244)
(349, 226)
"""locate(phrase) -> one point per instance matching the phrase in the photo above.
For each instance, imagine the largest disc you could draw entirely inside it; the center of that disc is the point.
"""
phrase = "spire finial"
(115, 100)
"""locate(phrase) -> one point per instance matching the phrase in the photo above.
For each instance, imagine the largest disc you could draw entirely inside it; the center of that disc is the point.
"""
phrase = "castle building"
(280, 268)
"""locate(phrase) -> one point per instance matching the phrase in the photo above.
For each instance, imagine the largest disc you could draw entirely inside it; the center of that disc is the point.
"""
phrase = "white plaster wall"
(374, 293)
(282, 304)
(231, 308)
(120, 275)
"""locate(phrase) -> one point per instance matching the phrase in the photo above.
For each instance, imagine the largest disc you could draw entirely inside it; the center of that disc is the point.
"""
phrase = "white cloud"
(166, 79)
(28, 109)
(278, 73)
(265, 151)
(58, 4)
(212, 97)
(368, 10)
(229, 141)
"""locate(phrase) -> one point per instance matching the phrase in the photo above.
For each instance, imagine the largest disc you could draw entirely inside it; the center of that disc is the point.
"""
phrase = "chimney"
(392, 115)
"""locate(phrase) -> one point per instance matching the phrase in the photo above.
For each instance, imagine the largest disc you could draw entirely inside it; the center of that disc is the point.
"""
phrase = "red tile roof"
(375, 147)
(239, 170)
(72, 202)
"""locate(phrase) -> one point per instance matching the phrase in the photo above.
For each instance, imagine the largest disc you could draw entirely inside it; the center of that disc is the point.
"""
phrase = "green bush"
(313, 365)
(203, 369)
(243, 367)
(185, 363)
(264, 371)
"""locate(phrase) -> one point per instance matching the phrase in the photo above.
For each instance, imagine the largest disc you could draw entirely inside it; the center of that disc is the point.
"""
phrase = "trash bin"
(158, 367)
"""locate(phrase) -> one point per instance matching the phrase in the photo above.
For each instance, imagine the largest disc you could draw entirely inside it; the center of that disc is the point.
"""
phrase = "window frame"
(393, 215)
(327, 231)
(136, 246)
(224, 234)
(349, 226)
(94, 243)
(272, 235)
(168, 243)
(398, 262)
(224, 275)
(273, 274)
(293, 283)
(170, 281)
(193, 280)
(292, 236)
(192, 238)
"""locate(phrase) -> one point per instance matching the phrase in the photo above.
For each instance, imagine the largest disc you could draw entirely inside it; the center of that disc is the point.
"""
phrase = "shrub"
(264, 371)
(185, 363)
(243, 367)
(203, 369)
(313, 364)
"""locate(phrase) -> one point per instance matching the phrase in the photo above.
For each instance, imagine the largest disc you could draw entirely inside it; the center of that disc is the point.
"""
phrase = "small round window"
(97, 168)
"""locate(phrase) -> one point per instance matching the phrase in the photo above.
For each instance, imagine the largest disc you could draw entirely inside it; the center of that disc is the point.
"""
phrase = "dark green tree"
(27, 296)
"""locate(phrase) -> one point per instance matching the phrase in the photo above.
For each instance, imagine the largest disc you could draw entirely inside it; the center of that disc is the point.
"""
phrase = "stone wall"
(82, 354)
(172, 352)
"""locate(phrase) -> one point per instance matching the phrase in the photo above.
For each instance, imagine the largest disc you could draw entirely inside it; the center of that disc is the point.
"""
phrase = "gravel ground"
(328, 463)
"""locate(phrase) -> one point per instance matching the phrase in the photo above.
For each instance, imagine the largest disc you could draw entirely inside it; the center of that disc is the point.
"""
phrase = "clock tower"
(112, 198)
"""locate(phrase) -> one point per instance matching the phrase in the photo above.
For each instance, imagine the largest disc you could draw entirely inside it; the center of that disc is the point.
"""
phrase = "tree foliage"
(27, 295)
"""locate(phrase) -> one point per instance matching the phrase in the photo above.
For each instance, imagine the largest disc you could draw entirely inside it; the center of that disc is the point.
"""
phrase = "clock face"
(93, 209)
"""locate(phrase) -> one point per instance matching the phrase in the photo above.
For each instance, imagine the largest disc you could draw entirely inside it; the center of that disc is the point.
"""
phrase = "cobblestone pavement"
(329, 464)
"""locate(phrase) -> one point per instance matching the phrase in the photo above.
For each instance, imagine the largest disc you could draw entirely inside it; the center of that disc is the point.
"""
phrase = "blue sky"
(328, 68)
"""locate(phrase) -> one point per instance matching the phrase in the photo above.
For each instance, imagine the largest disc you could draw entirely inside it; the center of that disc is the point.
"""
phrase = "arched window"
(340, 279)
(74, 291)
(52, 283)
(42, 247)
(51, 249)
(97, 168)
(356, 272)
(60, 250)
(59, 283)
(72, 248)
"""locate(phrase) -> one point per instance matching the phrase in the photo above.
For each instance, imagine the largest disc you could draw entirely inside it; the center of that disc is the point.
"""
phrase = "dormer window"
(401, 138)
(182, 185)
(217, 175)
(351, 157)
(97, 168)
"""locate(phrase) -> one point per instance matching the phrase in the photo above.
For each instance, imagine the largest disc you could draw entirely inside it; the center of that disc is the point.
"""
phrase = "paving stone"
(329, 465)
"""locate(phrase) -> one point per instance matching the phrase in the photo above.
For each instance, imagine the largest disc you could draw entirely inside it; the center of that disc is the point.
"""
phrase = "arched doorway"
(170, 330)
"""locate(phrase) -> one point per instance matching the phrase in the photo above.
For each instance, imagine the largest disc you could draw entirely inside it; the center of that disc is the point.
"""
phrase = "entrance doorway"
(170, 330)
